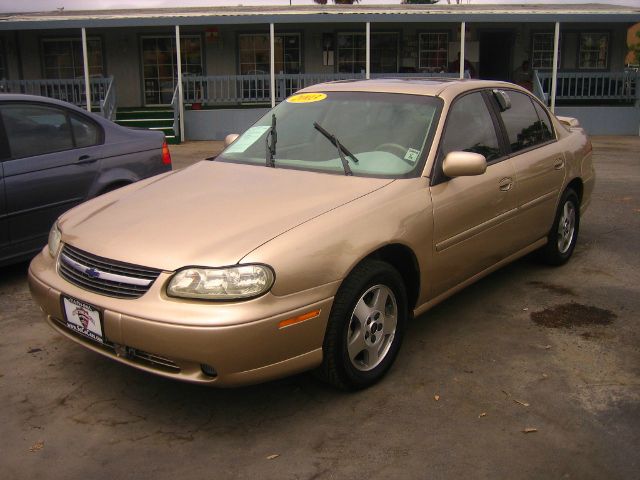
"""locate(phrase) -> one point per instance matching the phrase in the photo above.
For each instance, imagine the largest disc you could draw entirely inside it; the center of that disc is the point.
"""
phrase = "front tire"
(365, 328)
(564, 232)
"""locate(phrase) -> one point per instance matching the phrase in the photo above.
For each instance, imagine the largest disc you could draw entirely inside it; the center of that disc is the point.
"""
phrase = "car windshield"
(359, 133)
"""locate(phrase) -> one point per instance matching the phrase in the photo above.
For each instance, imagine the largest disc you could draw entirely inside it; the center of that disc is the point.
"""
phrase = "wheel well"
(576, 185)
(404, 260)
(113, 186)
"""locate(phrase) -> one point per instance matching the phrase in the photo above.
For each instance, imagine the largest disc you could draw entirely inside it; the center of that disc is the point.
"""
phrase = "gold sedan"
(317, 233)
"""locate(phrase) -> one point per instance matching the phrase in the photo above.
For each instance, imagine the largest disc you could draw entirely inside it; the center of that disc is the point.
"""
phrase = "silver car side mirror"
(229, 139)
(464, 164)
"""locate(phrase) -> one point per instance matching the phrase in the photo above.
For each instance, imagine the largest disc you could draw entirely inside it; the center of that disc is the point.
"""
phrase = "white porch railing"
(622, 86)
(70, 90)
(253, 89)
(108, 103)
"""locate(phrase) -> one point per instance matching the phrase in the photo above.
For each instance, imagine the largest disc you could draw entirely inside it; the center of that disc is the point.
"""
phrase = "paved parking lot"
(552, 351)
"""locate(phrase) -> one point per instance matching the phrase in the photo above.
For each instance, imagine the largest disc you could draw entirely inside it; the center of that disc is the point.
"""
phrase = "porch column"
(85, 61)
(554, 75)
(272, 64)
(368, 51)
(180, 94)
(462, 41)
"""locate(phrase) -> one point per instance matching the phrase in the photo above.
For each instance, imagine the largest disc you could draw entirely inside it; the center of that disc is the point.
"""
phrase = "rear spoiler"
(570, 122)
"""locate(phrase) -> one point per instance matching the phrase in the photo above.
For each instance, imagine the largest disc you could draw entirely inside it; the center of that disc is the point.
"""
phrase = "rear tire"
(562, 238)
(365, 327)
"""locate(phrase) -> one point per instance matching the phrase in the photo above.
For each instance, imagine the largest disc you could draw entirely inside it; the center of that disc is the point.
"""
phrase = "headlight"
(54, 240)
(232, 283)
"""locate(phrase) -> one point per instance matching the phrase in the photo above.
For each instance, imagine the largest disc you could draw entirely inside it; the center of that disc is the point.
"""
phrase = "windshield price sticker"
(307, 98)
(247, 139)
(412, 155)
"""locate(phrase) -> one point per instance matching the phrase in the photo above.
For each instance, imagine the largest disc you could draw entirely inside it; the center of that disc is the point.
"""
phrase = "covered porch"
(235, 62)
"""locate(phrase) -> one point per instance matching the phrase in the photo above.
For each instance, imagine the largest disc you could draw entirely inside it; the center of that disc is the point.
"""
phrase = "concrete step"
(160, 119)
(147, 122)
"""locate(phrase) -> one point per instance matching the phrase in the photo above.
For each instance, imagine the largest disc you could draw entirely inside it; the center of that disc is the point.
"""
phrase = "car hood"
(209, 214)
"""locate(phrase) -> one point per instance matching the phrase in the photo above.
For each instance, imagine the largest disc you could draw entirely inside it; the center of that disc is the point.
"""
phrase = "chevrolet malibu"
(317, 233)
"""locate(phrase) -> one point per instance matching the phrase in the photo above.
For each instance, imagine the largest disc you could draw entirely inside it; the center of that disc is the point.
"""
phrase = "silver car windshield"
(388, 134)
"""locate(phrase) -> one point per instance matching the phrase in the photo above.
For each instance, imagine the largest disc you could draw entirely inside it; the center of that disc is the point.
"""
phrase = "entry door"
(495, 55)
(159, 67)
(474, 216)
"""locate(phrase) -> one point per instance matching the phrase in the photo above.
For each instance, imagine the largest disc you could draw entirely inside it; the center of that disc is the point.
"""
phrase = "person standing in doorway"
(523, 75)
(454, 67)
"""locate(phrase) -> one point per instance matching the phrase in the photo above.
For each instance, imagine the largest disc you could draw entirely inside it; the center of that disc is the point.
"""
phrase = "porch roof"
(597, 13)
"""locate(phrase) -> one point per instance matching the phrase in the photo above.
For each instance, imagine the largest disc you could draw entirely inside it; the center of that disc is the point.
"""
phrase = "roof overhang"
(584, 13)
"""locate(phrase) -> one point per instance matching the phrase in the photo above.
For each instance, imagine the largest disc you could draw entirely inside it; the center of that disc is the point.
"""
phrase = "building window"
(593, 51)
(3, 62)
(542, 50)
(434, 51)
(352, 51)
(63, 57)
(159, 65)
(254, 53)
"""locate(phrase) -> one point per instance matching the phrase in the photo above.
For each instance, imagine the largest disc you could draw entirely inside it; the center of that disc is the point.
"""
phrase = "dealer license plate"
(83, 318)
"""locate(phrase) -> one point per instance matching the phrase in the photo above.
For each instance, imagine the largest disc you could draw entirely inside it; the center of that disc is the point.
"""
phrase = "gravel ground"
(549, 351)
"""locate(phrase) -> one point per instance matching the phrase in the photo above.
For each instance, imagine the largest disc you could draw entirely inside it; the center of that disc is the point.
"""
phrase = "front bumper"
(174, 338)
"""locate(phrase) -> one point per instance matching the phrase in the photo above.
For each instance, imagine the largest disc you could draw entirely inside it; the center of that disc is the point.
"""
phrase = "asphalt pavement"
(531, 373)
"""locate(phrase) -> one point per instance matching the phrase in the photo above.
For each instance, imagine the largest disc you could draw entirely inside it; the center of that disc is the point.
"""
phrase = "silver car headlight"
(231, 283)
(54, 240)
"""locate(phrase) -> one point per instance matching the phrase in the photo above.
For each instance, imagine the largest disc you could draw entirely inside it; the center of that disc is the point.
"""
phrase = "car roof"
(447, 88)
(15, 97)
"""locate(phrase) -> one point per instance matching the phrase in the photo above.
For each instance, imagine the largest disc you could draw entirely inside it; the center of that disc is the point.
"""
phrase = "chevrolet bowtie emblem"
(92, 272)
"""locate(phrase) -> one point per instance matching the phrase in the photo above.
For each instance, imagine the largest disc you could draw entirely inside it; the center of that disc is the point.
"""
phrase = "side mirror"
(464, 164)
(229, 139)
(503, 99)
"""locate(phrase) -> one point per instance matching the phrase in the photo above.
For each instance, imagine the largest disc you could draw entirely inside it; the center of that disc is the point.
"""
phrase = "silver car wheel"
(566, 227)
(372, 327)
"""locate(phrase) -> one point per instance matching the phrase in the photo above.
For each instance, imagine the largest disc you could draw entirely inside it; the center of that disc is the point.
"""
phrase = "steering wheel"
(395, 149)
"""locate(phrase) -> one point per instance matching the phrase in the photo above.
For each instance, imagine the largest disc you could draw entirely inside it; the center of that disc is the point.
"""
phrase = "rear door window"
(85, 133)
(545, 123)
(523, 126)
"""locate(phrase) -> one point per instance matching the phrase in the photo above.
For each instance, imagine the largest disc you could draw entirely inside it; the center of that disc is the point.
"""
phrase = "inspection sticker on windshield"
(307, 98)
(247, 139)
(412, 155)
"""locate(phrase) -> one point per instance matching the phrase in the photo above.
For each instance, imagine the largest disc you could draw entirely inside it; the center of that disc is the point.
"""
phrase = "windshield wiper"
(341, 148)
(272, 136)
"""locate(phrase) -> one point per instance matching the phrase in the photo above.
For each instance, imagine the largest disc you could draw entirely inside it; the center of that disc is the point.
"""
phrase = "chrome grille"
(103, 276)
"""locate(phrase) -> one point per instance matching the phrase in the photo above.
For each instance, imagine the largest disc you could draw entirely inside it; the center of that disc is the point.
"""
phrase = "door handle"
(506, 184)
(85, 159)
(558, 163)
